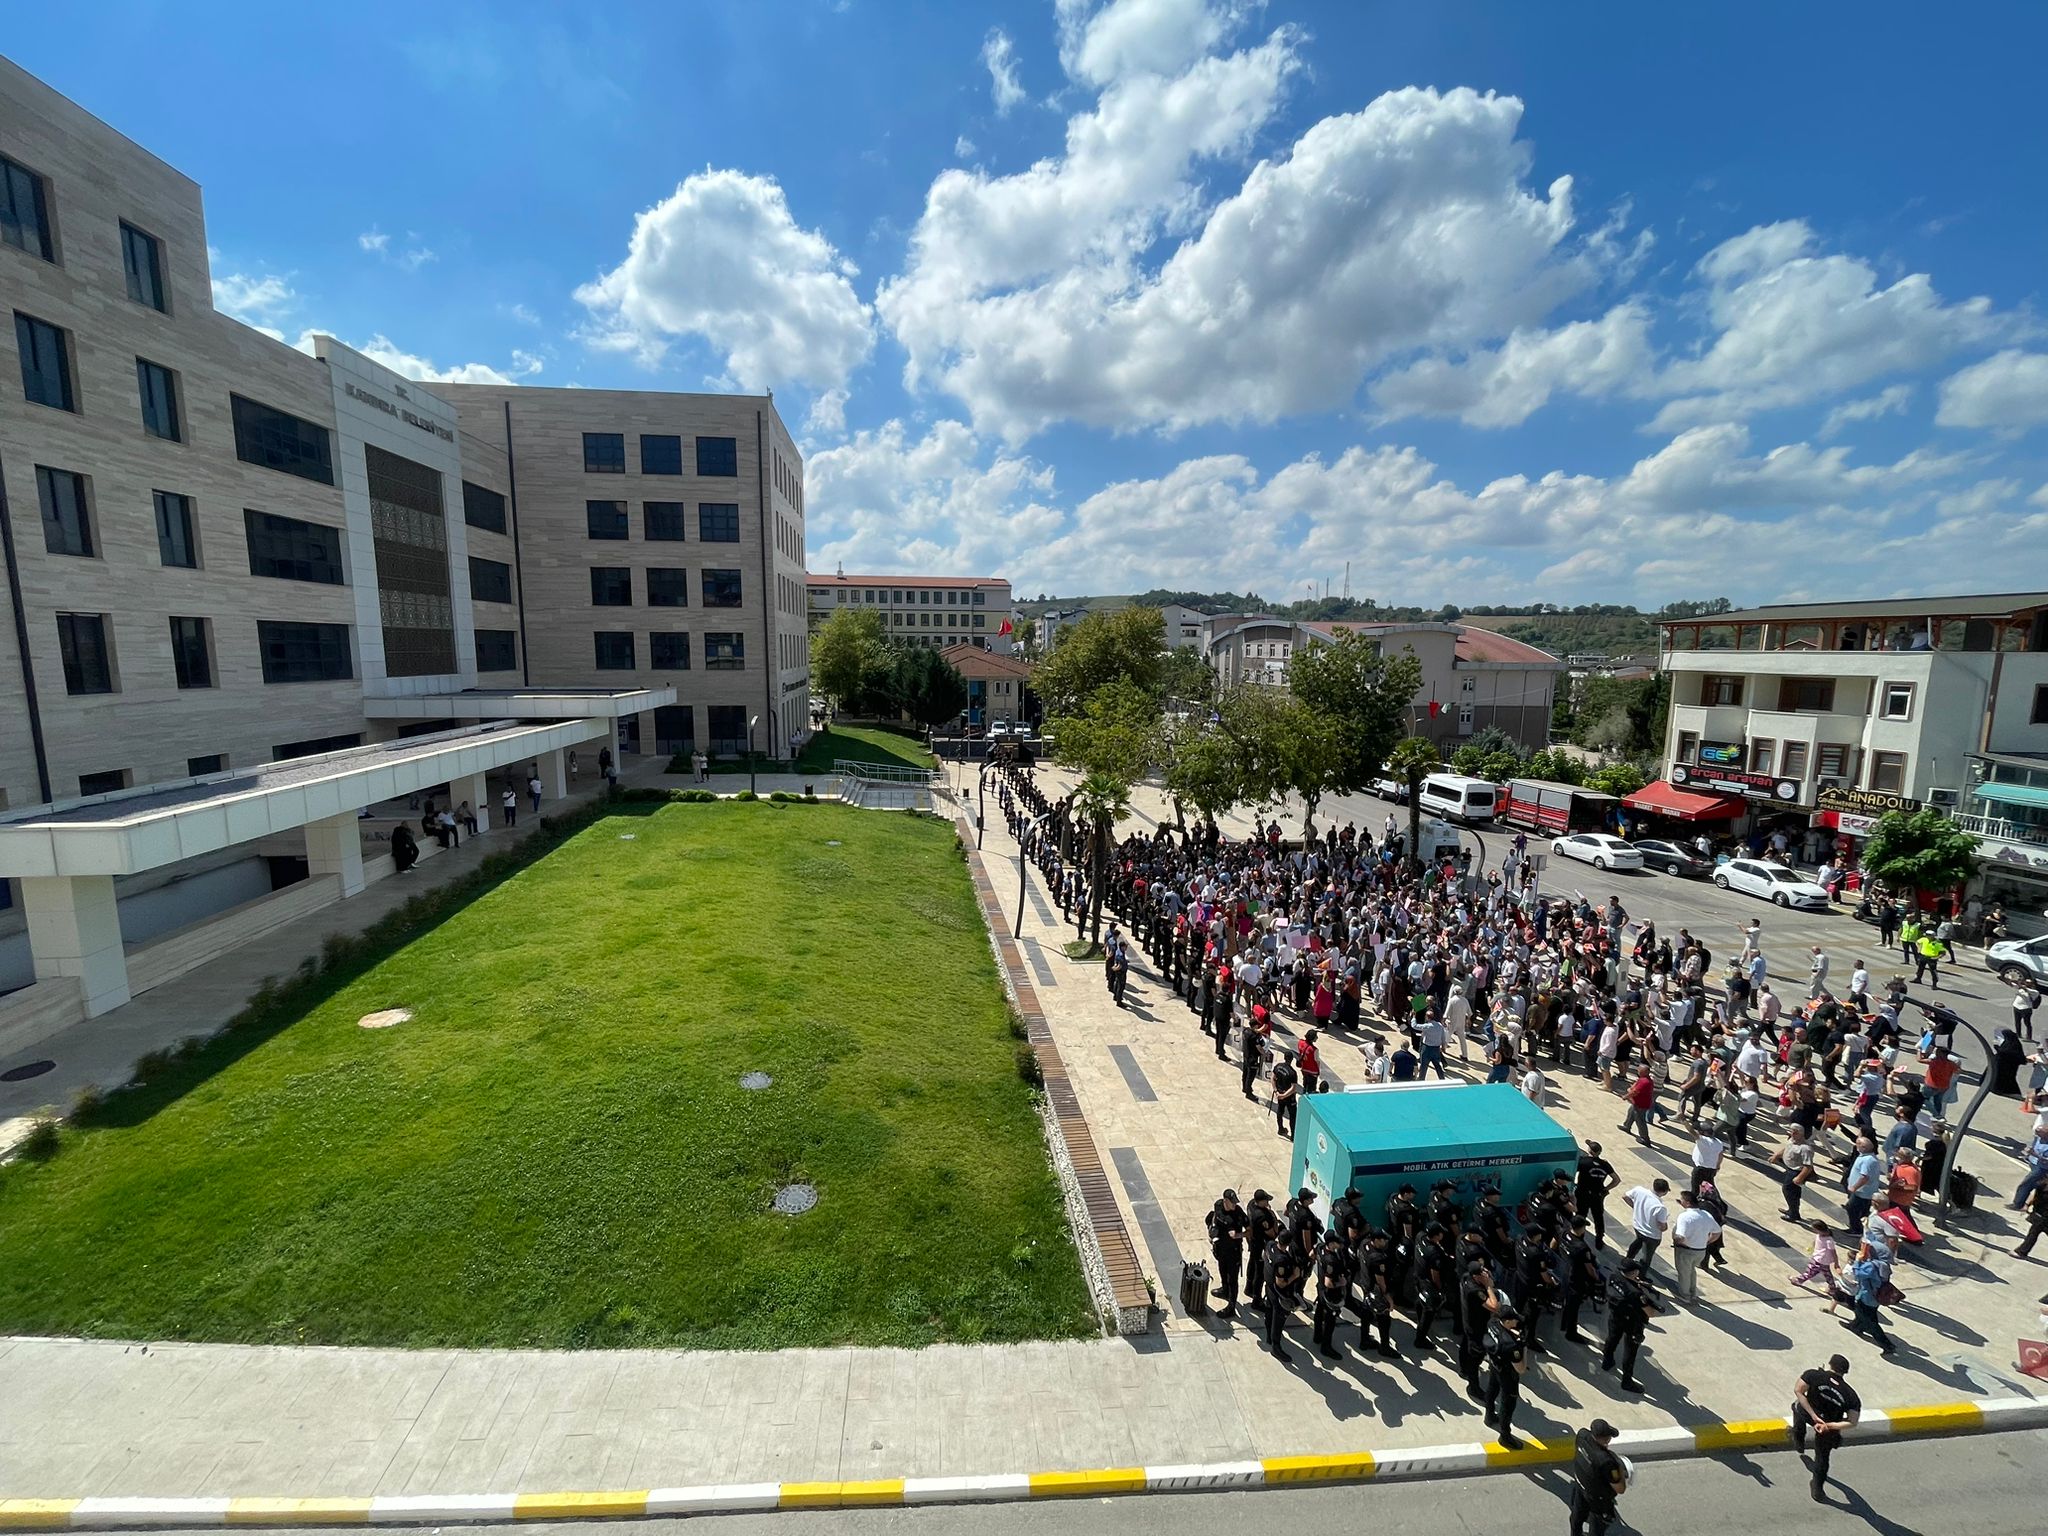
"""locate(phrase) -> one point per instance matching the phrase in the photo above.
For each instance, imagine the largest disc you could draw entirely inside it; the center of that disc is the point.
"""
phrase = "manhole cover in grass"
(29, 1069)
(795, 1199)
(384, 1018)
(754, 1082)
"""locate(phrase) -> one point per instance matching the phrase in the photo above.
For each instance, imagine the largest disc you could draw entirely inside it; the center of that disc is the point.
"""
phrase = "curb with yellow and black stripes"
(1991, 1414)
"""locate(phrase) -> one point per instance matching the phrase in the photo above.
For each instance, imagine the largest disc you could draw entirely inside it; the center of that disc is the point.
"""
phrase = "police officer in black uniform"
(1404, 1227)
(1376, 1294)
(1595, 1179)
(1285, 1274)
(1286, 1096)
(1629, 1305)
(1598, 1479)
(1264, 1227)
(1535, 1281)
(1507, 1353)
(1583, 1277)
(1227, 1224)
(1436, 1282)
(1334, 1269)
(1475, 1306)
(1348, 1221)
(1253, 1048)
(1302, 1222)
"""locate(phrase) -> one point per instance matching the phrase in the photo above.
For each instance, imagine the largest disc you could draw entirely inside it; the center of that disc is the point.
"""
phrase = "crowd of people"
(1275, 948)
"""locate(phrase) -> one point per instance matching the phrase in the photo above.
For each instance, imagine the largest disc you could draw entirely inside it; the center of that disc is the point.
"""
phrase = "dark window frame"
(26, 228)
(98, 654)
(664, 593)
(727, 514)
(664, 648)
(609, 655)
(611, 586)
(497, 578)
(190, 645)
(265, 440)
(147, 372)
(320, 643)
(483, 507)
(672, 522)
(597, 522)
(668, 451)
(718, 458)
(604, 453)
(87, 539)
(210, 762)
(721, 587)
(505, 643)
(168, 539)
(108, 781)
(145, 286)
(36, 378)
(730, 653)
(274, 527)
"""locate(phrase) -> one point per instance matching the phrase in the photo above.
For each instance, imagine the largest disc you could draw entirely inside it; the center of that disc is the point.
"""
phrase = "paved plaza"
(99, 1418)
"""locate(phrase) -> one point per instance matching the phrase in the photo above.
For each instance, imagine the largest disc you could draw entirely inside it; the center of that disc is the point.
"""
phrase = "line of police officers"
(1495, 1273)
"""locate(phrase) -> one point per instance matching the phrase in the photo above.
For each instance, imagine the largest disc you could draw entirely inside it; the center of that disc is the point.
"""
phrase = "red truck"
(1545, 806)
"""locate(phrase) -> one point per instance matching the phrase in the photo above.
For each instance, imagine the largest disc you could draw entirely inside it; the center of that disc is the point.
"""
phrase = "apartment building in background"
(934, 611)
(1830, 714)
(222, 552)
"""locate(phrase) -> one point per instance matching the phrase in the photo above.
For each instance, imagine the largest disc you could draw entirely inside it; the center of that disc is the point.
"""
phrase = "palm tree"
(1104, 800)
(1415, 760)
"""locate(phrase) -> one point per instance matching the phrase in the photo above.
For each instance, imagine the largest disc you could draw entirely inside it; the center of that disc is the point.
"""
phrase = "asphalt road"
(1986, 1485)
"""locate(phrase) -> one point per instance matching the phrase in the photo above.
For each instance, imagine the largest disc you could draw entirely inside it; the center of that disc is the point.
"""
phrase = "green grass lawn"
(839, 743)
(556, 1149)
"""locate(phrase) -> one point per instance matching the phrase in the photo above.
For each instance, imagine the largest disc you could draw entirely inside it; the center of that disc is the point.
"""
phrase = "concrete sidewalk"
(98, 1419)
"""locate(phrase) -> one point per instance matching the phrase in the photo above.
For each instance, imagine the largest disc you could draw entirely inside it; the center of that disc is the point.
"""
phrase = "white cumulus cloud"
(1000, 55)
(2007, 392)
(1101, 43)
(1889, 401)
(722, 259)
(1504, 386)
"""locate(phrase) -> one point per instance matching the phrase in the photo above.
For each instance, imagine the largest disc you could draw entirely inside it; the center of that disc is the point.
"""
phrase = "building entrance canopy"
(1662, 799)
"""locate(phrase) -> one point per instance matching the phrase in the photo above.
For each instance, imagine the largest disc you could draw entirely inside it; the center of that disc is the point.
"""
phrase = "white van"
(1457, 798)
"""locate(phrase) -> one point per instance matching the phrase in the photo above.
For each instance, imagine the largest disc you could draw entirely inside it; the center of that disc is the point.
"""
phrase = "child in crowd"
(1823, 1264)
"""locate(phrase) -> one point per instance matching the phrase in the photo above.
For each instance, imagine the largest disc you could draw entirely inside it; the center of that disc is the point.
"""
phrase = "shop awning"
(1661, 799)
(2013, 794)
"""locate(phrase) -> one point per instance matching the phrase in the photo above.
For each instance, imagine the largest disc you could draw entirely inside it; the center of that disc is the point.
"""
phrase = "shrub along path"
(556, 1149)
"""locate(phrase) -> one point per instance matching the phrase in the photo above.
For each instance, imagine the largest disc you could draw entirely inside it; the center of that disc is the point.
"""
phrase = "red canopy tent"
(1663, 799)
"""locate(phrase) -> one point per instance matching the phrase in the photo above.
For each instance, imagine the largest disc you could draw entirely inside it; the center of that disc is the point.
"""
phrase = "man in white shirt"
(1691, 1235)
(1532, 1084)
(1457, 1018)
(1817, 979)
(1859, 981)
(1650, 1221)
(1707, 1153)
(1752, 937)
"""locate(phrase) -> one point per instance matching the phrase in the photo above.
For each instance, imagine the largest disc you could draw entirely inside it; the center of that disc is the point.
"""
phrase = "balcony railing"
(2002, 829)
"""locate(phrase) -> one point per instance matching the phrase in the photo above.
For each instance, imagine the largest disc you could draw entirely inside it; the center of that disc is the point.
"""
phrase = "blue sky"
(1492, 301)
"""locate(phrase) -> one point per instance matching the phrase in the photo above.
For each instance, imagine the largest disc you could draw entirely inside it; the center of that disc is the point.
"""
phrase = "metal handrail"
(896, 773)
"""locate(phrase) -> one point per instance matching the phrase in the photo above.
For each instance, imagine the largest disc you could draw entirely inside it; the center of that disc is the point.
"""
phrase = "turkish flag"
(1435, 709)
(1004, 628)
(2033, 1359)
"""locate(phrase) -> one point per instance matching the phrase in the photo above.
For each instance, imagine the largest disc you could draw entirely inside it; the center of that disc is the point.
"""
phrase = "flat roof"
(521, 703)
(831, 580)
(1983, 606)
(1479, 1120)
(133, 830)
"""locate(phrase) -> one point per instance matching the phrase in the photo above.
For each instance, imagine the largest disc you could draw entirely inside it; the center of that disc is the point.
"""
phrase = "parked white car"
(1598, 850)
(1773, 882)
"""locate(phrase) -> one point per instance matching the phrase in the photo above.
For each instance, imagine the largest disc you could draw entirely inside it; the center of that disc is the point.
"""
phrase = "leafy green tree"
(1920, 851)
(1493, 740)
(1101, 800)
(848, 654)
(1116, 732)
(1128, 645)
(1025, 634)
(1285, 747)
(1622, 778)
(1556, 766)
(1501, 766)
(1414, 760)
(1185, 679)
(927, 687)
(1364, 694)
(1205, 770)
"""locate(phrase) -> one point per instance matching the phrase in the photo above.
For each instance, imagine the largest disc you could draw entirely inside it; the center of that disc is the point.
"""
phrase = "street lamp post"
(753, 723)
(1017, 924)
(981, 804)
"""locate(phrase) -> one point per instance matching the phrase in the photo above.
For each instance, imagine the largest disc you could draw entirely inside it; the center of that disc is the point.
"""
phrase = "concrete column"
(476, 789)
(334, 846)
(554, 773)
(74, 929)
(647, 745)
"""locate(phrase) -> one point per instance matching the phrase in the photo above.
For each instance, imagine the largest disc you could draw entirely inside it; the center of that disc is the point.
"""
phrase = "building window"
(304, 653)
(2039, 716)
(1793, 763)
(483, 508)
(82, 641)
(315, 746)
(142, 261)
(1761, 755)
(109, 782)
(718, 522)
(675, 728)
(200, 767)
(1718, 692)
(604, 453)
(718, 456)
(721, 589)
(728, 723)
(668, 653)
(1896, 703)
(291, 550)
(1831, 762)
(490, 581)
(176, 543)
(24, 210)
(1468, 685)
(1888, 772)
(725, 652)
(607, 520)
(159, 389)
(45, 363)
(614, 652)
(663, 522)
(611, 586)
(1808, 693)
(668, 586)
(980, 598)
(660, 455)
(67, 514)
(980, 621)
(1688, 746)
(497, 650)
(191, 653)
(279, 440)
